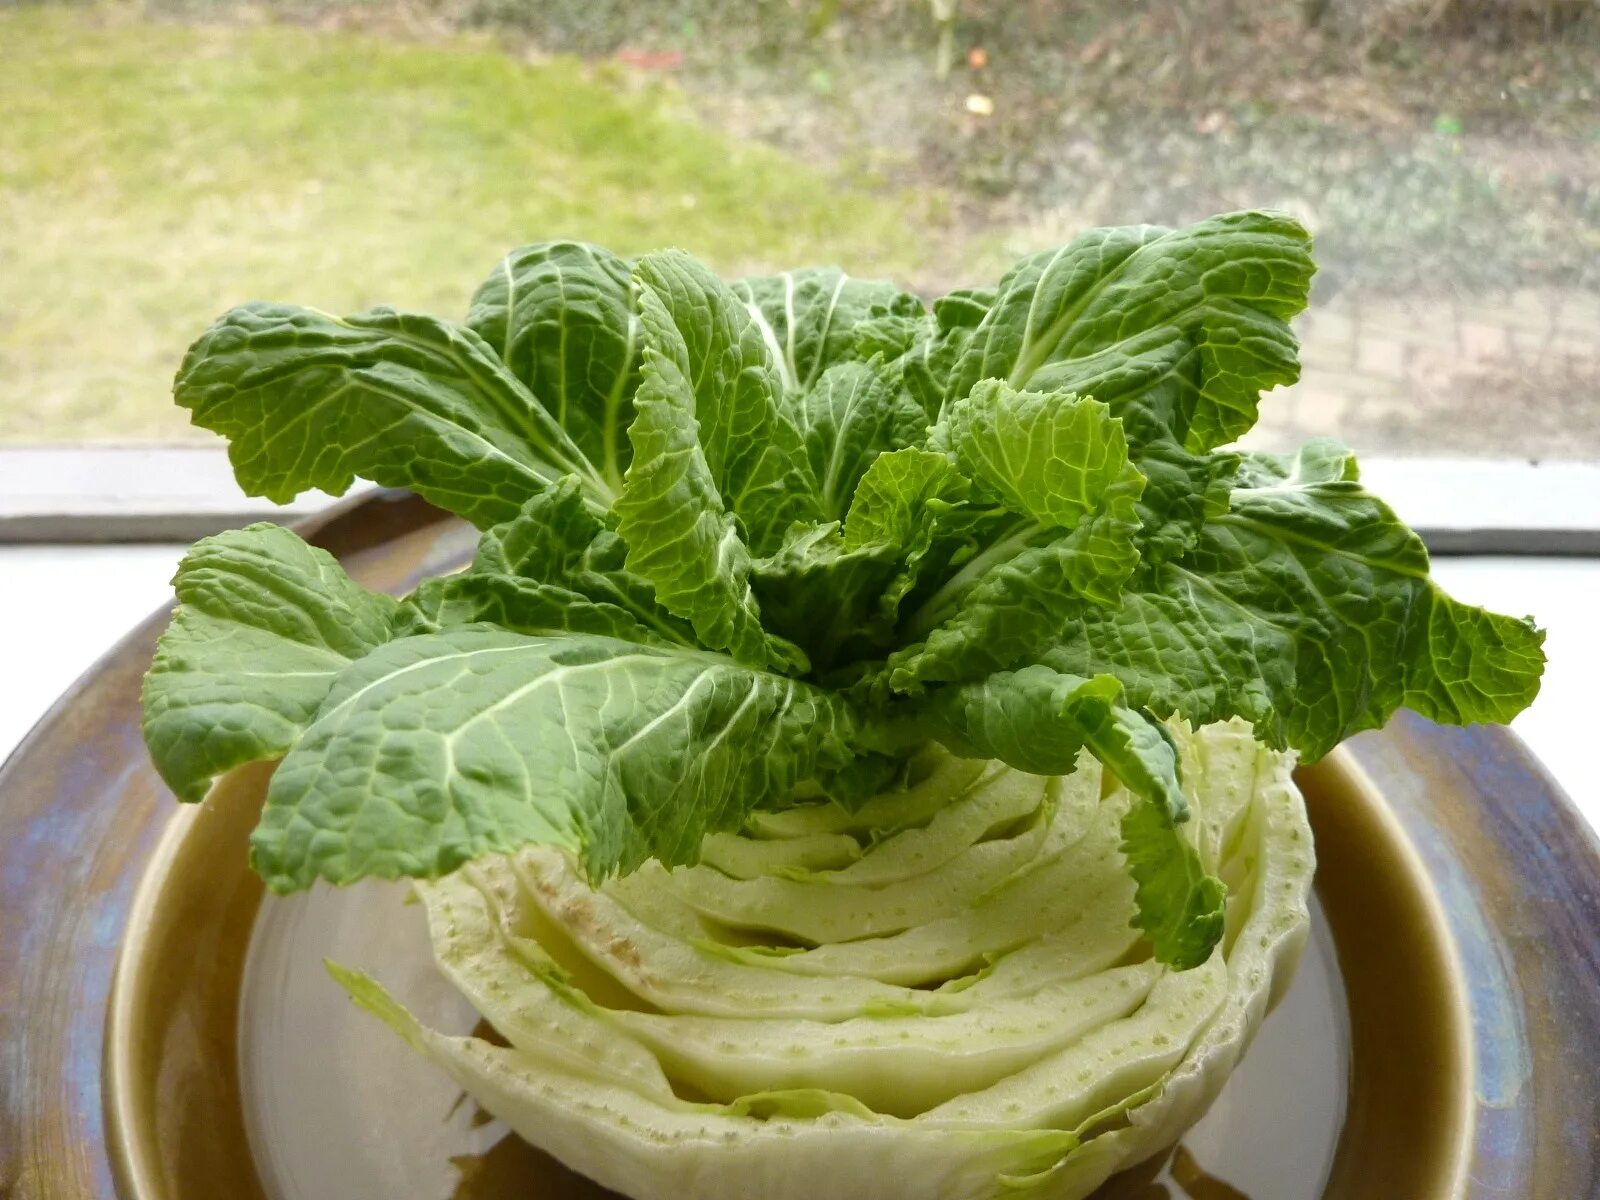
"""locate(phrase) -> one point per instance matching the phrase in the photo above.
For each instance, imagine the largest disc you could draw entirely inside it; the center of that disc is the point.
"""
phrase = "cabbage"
(801, 775)
(956, 1006)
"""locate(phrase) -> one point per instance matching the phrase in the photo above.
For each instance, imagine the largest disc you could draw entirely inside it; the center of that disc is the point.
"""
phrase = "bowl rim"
(1431, 1013)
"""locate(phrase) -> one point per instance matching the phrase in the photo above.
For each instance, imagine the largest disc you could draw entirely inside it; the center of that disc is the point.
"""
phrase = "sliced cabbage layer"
(938, 994)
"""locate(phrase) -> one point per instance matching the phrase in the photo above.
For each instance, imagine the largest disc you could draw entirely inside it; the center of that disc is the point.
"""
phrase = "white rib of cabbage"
(938, 995)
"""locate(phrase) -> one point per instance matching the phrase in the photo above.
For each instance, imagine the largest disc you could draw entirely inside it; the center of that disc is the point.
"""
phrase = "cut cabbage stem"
(991, 1021)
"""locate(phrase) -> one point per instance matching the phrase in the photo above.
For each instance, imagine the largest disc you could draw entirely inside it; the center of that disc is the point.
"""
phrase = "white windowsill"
(179, 493)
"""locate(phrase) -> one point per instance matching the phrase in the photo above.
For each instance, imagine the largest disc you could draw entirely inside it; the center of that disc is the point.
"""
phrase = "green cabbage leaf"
(748, 547)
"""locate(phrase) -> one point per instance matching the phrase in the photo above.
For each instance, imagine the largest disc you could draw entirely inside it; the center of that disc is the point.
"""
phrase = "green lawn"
(152, 174)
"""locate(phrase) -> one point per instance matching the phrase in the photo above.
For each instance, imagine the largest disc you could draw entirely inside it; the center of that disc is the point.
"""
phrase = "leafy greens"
(748, 545)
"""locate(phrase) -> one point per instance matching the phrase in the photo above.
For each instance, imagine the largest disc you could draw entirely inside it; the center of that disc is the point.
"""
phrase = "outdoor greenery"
(154, 172)
(161, 159)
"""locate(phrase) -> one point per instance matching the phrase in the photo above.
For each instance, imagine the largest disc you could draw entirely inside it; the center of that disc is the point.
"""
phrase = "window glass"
(160, 162)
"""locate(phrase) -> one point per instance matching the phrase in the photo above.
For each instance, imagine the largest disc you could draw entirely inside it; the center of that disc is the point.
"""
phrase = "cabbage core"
(939, 994)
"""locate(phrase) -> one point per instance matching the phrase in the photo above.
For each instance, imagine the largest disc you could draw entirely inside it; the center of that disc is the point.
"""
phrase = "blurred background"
(161, 161)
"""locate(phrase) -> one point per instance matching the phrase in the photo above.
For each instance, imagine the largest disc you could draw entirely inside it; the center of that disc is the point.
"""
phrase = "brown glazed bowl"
(1457, 942)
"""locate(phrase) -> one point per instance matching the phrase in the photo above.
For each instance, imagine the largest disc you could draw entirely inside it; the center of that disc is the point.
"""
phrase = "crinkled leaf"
(909, 499)
(853, 414)
(1060, 465)
(935, 346)
(890, 502)
(1038, 720)
(889, 335)
(1179, 331)
(1182, 492)
(1035, 584)
(822, 594)
(433, 750)
(716, 467)
(1048, 456)
(309, 400)
(1321, 460)
(264, 624)
(1181, 908)
(555, 568)
(949, 534)
(560, 315)
(1308, 610)
(701, 337)
(808, 317)
(964, 308)
(1191, 321)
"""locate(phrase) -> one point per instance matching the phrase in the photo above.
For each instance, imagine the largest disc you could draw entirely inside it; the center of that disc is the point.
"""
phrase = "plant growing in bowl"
(860, 749)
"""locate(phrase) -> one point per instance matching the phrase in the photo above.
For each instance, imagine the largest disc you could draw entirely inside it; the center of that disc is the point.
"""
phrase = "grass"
(1433, 146)
(152, 174)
